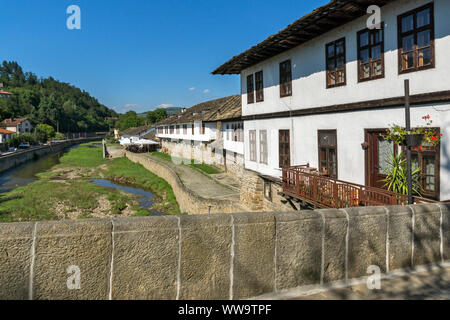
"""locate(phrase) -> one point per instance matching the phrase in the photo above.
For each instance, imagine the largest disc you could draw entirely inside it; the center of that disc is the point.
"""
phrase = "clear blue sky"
(139, 54)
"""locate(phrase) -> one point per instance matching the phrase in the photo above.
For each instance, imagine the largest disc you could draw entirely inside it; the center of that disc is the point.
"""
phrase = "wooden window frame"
(193, 128)
(263, 156)
(369, 47)
(203, 128)
(252, 145)
(280, 160)
(259, 86)
(250, 89)
(415, 32)
(284, 82)
(327, 147)
(335, 70)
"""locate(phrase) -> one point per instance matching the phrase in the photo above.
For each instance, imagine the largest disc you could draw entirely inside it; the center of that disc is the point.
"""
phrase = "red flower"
(421, 148)
(442, 135)
(433, 138)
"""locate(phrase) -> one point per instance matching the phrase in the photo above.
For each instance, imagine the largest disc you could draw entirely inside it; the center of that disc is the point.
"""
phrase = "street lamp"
(408, 147)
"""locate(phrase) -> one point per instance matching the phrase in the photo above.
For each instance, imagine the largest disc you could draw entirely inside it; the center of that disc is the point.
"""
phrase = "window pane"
(364, 39)
(340, 76)
(340, 62)
(330, 50)
(340, 47)
(385, 149)
(424, 38)
(430, 183)
(365, 71)
(408, 61)
(377, 36)
(376, 68)
(424, 57)
(376, 52)
(331, 78)
(429, 166)
(331, 64)
(408, 23)
(423, 18)
(408, 43)
(327, 139)
(365, 55)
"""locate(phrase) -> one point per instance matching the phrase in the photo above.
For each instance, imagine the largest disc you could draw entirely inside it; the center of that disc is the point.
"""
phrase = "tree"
(130, 120)
(156, 116)
(45, 132)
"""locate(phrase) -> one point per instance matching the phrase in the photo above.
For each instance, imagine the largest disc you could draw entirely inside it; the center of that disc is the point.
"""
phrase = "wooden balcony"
(306, 184)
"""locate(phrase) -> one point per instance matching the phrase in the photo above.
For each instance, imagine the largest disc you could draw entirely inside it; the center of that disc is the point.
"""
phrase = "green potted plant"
(396, 176)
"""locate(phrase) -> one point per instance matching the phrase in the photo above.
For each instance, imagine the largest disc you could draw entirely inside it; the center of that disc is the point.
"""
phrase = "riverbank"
(66, 191)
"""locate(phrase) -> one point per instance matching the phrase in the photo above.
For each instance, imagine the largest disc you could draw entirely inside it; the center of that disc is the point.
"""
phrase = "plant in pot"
(396, 176)
(415, 137)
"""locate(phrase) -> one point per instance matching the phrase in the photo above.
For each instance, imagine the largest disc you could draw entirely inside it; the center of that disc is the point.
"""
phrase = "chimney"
(183, 110)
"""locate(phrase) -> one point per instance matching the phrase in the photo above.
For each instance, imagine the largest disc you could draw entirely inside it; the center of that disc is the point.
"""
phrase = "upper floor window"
(203, 128)
(250, 90)
(172, 129)
(259, 82)
(335, 52)
(263, 146)
(178, 129)
(285, 79)
(371, 54)
(416, 39)
(184, 129)
(192, 127)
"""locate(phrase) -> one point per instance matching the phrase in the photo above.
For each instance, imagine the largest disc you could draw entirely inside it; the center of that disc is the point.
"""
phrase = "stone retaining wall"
(188, 201)
(13, 160)
(215, 256)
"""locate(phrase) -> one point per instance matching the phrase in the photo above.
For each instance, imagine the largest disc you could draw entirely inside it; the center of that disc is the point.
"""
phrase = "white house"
(135, 134)
(18, 126)
(210, 132)
(5, 135)
(324, 90)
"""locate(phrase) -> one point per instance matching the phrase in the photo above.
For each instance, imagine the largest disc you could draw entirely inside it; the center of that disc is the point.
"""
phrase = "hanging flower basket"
(414, 140)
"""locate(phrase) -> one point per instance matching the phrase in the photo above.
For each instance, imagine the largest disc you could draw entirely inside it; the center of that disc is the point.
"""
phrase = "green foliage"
(59, 136)
(46, 131)
(205, 168)
(396, 180)
(51, 102)
(16, 140)
(156, 116)
(129, 120)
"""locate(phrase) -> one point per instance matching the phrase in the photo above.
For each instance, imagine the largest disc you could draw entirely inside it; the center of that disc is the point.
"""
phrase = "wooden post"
(408, 148)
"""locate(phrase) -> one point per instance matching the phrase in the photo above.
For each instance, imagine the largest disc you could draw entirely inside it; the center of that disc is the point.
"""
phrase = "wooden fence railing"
(332, 193)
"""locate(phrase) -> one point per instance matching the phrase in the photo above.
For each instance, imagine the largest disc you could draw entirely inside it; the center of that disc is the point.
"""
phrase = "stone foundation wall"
(225, 257)
(189, 202)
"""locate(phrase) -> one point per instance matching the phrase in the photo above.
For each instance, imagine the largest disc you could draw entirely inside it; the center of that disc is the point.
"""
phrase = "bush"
(59, 136)
(45, 132)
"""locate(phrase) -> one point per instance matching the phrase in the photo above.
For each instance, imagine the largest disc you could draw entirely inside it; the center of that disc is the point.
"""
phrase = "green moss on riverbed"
(66, 191)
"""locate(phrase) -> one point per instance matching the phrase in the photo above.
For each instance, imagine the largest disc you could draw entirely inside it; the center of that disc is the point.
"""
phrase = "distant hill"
(170, 111)
(49, 101)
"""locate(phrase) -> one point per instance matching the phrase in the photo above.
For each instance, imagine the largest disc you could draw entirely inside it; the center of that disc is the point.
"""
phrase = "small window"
(192, 127)
(228, 132)
(328, 153)
(171, 129)
(259, 82)
(252, 138)
(178, 129)
(371, 54)
(335, 53)
(203, 128)
(285, 79)
(185, 129)
(250, 90)
(416, 39)
(263, 146)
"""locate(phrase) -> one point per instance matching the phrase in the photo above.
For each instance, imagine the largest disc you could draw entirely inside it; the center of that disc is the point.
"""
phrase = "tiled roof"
(136, 130)
(227, 108)
(5, 92)
(4, 131)
(13, 122)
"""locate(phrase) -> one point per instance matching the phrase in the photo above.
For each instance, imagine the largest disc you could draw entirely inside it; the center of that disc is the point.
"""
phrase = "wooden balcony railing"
(328, 192)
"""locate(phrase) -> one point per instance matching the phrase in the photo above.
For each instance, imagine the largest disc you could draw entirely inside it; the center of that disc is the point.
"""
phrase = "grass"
(200, 166)
(54, 195)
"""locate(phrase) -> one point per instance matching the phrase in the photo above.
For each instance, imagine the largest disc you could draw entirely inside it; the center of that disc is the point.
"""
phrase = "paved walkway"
(433, 284)
(200, 183)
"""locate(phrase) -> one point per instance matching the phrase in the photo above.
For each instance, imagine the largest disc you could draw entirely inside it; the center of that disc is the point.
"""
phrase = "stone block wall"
(235, 256)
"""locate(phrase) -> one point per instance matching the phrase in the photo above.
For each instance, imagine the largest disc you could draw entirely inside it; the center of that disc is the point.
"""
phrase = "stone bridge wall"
(215, 256)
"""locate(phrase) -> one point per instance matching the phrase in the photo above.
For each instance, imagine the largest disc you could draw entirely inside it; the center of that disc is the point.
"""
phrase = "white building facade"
(329, 100)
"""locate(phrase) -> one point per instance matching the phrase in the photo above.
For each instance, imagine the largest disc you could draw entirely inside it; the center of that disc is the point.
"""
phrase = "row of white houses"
(324, 91)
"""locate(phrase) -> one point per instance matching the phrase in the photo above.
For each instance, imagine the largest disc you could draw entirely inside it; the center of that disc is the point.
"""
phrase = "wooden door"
(284, 149)
(378, 155)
